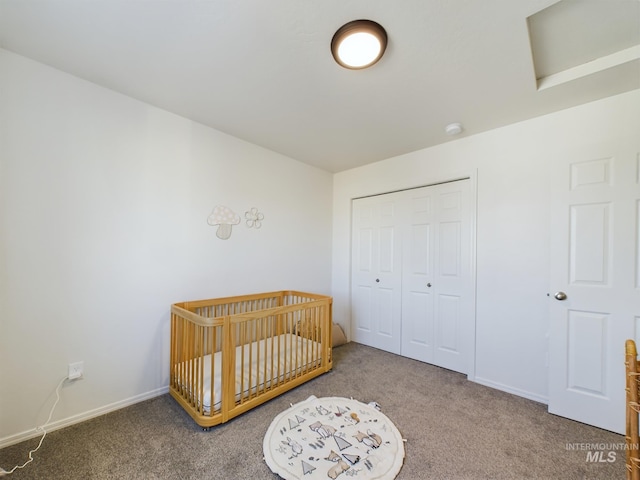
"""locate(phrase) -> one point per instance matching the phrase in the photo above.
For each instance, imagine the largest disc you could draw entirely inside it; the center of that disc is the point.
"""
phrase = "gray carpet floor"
(454, 429)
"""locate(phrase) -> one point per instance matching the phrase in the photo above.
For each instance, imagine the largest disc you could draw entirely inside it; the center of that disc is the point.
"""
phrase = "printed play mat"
(333, 437)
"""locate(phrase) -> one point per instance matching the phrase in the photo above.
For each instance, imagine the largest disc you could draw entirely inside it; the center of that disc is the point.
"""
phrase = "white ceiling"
(262, 70)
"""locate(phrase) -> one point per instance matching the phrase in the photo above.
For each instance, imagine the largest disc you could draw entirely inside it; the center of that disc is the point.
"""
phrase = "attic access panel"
(572, 39)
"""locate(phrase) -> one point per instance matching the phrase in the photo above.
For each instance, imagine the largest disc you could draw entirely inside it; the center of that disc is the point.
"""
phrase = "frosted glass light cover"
(359, 49)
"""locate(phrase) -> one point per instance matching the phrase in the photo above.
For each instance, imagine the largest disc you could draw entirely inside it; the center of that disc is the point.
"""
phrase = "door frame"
(472, 176)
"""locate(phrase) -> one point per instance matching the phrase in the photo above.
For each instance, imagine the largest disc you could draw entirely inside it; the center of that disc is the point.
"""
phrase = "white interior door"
(595, 297)
(437, 289)
(376, 272)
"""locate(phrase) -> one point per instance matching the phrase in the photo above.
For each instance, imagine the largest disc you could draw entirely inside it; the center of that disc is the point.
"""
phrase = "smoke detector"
(453, 129)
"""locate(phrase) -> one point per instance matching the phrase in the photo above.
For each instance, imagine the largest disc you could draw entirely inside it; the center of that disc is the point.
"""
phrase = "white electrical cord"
(40, 428)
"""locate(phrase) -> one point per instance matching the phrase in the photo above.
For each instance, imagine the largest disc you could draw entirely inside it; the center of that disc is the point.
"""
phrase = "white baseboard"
(81, 417)
(515, 391)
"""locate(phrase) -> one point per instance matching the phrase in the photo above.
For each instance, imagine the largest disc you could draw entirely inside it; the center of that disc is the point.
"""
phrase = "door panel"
(362, 302)
(386, 320)
(637, 234)
(594, 261)
(420, 238)
(587, 352)
(450, 249)
(434, 270)
(418, 334)
(376, 270)
(365, 260)
(386, 252)
(448, 323)
(589, 252)
(418, 325)
(454, 309)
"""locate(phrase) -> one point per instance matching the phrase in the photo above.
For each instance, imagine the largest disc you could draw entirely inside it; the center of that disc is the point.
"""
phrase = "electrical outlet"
(76, 370)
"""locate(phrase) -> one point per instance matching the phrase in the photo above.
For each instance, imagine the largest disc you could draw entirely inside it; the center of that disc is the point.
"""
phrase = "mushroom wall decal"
(225, 219)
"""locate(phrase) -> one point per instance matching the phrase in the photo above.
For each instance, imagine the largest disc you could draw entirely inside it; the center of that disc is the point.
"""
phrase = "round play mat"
(333, 437)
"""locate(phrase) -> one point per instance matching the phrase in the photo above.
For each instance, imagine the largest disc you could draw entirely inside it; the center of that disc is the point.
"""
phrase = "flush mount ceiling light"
(359, 44)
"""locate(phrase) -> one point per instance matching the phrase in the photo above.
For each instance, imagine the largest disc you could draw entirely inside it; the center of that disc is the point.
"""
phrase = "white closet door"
(438, 315)
(419, 323)
(376, 272)
(412, 289)
(595, 297)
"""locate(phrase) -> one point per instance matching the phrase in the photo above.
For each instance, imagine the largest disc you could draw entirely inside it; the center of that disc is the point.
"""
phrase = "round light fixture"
(359, 44)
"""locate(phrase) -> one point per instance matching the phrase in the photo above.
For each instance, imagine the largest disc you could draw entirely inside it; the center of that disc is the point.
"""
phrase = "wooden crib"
(229, 355)
(632, 405)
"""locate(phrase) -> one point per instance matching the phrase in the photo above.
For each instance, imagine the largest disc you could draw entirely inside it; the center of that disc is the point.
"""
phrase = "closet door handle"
(429, 285)
(377, 280)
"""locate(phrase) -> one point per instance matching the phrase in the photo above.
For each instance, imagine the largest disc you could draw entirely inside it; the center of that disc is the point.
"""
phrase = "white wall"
(512, 166)
(104, 206)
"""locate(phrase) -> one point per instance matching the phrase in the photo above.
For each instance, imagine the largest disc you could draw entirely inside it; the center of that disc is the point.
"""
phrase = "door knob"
(429, 285)
(560, 296)
(377, 280)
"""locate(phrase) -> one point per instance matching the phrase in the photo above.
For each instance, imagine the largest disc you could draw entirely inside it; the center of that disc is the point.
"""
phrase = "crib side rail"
(275, 350)
(219, 307)
(195, 359)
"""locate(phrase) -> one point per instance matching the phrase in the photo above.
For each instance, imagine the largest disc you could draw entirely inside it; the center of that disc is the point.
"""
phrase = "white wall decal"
(225, 219)
(254, 218)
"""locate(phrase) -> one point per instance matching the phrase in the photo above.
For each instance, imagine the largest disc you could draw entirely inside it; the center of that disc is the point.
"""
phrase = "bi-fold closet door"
(412, 289)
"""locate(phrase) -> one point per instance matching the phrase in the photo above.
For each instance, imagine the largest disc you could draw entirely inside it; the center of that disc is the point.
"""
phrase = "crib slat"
(214, 366)
(253, 357)
(242, 340)
(228, 368)
(263, 341)
(279, 347)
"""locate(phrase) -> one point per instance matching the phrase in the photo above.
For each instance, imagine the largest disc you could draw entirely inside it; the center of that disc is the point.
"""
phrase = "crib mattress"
(265, 361)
